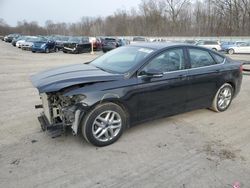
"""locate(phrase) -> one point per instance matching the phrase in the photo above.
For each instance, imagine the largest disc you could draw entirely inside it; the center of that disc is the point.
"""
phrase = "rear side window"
(219, 59)
(200, 58)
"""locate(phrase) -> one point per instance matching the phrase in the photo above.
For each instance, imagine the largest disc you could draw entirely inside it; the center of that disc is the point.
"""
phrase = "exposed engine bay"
(62, 111)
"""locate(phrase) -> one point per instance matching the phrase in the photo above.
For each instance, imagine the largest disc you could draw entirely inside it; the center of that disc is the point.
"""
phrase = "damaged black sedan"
(77, 45)
(132, 84)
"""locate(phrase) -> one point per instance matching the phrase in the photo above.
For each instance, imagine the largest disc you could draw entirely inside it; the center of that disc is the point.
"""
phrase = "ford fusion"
(133, 84)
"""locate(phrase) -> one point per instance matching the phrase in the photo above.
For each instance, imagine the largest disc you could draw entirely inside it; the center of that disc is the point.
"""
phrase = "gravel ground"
(196, 149)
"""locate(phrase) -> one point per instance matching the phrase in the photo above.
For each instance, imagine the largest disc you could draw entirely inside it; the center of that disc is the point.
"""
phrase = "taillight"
(241, 68)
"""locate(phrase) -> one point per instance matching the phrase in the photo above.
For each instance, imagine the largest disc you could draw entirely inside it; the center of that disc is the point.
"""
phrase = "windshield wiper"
(101, 68)
(106, 70)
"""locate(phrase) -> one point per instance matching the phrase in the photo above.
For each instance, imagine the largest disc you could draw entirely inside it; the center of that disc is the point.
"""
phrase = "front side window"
(200, 58)
(171, 60)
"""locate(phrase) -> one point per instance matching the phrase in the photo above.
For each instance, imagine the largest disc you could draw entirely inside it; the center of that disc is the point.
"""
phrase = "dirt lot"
(195, 149)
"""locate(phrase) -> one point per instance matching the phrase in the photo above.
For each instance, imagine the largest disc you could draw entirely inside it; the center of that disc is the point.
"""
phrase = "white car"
(27, 45)
(20, 43)
(214, 45)
(242, 48)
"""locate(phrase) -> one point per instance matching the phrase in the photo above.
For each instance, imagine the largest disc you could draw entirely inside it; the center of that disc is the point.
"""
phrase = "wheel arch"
(111, 98)
(233, 85)
(120, 103)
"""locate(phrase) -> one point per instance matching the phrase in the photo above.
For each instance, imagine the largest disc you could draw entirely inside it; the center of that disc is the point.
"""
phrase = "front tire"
(104, 125)
(223, 98)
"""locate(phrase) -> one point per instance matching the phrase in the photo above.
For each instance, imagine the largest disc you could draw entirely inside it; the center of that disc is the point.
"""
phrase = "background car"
(77, 45)
(20, 42)
(123, 42)
(14, 41)
(27, 45)
(242, 48)
(226, 45)
(138, 39)
(59, 41)
(10, 37)
(97, 43)
(214, 45)
(190, 42)
(109, 44)
(44, 45)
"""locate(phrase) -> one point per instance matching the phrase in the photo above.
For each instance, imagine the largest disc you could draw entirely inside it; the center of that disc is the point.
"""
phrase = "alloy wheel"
(106, 126)
(224, 98)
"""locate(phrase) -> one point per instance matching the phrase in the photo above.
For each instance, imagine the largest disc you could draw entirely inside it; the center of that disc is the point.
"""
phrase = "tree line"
(153, 18)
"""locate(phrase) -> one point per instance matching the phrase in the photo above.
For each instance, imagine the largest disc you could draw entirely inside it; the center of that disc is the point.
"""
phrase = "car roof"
(158, 45)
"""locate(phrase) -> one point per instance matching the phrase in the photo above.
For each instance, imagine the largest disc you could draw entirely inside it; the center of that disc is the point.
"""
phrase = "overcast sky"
(59, 10)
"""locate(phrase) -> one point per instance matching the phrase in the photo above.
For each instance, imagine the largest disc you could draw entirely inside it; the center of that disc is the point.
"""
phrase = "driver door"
(164, 93)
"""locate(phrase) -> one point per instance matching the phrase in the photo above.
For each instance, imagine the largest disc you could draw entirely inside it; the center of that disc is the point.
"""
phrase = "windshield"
(122, 59)
(74, 39)
(110, 40)
(140, 39)
(42, 40)
(32, 39)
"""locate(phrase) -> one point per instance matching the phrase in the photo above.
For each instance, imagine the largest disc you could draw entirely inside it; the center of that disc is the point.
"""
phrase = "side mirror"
(151, 73)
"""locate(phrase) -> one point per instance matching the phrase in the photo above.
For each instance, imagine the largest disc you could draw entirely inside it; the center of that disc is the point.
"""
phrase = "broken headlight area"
(61, 111)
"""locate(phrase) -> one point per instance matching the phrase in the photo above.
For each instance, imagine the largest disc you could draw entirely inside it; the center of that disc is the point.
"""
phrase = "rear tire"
(231, 51)
(223, 98)
(104, 124)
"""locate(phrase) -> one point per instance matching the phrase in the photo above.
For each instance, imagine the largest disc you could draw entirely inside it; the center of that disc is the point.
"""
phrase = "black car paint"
(80, 46)
(15, 39)
(144, 99)
(109, 44)
(10, 37)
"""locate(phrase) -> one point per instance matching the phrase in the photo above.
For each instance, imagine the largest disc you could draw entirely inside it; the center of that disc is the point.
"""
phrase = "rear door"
(204, 75)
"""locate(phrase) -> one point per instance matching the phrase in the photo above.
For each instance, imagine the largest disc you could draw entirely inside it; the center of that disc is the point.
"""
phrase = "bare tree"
(154, 18)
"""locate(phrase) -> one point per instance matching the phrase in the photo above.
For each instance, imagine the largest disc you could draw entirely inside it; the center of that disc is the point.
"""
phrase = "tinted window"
(139, 39)
(200, 58)
(75, 39)
(110, 40)
(211, 42)
(218, 58)
(171, 60)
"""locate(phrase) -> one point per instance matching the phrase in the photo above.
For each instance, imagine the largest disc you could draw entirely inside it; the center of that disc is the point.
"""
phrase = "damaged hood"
(59, 78)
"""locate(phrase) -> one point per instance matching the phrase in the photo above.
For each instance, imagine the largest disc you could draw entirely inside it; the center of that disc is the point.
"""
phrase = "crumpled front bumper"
(54, 130)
